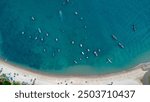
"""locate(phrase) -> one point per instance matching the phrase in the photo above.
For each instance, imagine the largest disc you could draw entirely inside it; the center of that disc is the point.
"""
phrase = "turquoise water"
(53, 36)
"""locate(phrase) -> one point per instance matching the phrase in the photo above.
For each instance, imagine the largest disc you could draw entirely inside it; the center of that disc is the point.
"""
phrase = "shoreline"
(131, 76)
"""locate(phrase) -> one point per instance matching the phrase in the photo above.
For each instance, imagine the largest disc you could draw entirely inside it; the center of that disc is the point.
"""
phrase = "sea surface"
(75, 36)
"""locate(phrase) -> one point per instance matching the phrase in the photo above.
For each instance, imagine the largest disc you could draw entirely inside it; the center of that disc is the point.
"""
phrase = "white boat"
(61, 15)
(95, 53)
(120, 45)
(82, 53)
(39, 30)
(114, 37)
(76, 13)
(47, 34)
(72, 42)
(75, 62)
(109, 60)
(32, 18)
(67, 1)
(56, 39)
(81, 45)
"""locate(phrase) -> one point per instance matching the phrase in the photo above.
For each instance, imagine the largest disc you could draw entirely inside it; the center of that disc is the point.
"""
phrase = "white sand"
(130, 77)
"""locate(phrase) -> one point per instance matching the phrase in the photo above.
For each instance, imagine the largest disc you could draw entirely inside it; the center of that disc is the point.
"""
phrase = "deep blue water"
(72, 29)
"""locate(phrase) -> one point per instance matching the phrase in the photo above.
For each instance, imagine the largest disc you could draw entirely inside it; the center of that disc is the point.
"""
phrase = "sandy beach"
(129, 77)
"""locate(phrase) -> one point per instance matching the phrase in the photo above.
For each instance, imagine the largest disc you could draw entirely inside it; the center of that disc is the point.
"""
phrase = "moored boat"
(114, 37)
(121, 45)
(109, 60)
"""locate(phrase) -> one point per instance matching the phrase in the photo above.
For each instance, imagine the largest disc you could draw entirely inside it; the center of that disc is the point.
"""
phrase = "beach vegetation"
(16, 83)
(4, 80)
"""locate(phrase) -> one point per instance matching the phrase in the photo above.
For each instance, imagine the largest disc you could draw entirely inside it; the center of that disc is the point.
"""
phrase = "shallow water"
(53, 35)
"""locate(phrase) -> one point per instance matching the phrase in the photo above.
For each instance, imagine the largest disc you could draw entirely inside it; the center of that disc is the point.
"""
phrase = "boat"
(95, 53)
(109, 60)
(114, 37)
(81, 45)
(82, 53)
(39, 30)
(120, 45)
(61, 15)
(67, 1)
(133, 28)
(75, 62)
(32, 18)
